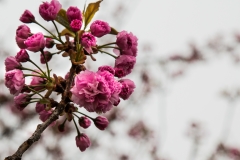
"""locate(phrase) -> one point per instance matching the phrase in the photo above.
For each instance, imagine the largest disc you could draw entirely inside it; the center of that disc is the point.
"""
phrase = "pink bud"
(76, 25)
(11, 63)
(101, 122)
(40, 107)
(84, 122)
(47, 55)
(107, 68)
(100, 28)
(14, 80)
(88, 41)
(49, 11)
(35, 43)
(22, 33)
(74, 13)
(49, 42)
(124, 65)
(44, 115)
(127, 88)
(82, 142)
(27, 17)
(21, 101)
(22, 56)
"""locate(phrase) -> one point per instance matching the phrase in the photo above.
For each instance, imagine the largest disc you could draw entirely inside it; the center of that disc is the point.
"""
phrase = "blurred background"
(186, 103)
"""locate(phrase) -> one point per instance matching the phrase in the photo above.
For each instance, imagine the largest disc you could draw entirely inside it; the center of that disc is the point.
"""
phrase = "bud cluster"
(96, 91)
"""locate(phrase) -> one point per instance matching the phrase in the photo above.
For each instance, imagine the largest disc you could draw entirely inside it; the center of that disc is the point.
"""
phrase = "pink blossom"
(49, 11)
(35, 43)
(21, 101)
(48, 57)
(101, 122)
(100, 28)
(127, 42)
(74, 13)
(84, 122)
(11, 63)
(88, 41)
(91, 91)
(40, 107)
(27, 17)
(127, 88)
(49, 42)
(14, 80)
(124, 65)
(76, 25)
(22, 33)
(106, 68)
(37, 81)
(82, 142)
(114, 87)
(44, 115)
(22, 56)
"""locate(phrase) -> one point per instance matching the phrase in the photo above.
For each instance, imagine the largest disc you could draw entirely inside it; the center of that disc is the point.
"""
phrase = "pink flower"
(114, 87)
(124, 65)
(21, 101)
(107, 68)
(127, 42)
(76, 25)
(91, 91)
(127, 88)
(101, 122)
(84, 122)
(48, 57)
(49, 11)
(100, 28)
(82, 142)
(22, 56)
(35, 43)
(22, 33)
(14, 80)
(44, 115)
(49, 43)
(27, 17)
(40, 107)
(74, 13)
(11, 63)
(88, 41)
(37, 81)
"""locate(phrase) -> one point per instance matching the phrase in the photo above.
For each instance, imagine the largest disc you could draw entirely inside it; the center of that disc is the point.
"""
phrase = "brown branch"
(41, 127)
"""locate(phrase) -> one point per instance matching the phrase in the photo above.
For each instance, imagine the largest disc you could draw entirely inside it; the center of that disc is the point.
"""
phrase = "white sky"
(169, 25)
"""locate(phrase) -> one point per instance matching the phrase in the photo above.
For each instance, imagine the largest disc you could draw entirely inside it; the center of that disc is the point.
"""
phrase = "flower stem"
(107, 53)
(48, 71)
(23, 68)
(34, 91)
(84, 115)
(38, 68)
(107, 44)
(59, 36)
(76, 126)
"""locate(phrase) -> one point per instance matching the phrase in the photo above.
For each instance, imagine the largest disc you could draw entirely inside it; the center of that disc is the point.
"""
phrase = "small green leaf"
(62, 18)
(92, 8)
(66, 31)
(113, 31)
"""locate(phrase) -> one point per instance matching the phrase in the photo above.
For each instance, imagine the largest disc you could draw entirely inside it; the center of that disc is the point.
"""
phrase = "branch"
(41, 127)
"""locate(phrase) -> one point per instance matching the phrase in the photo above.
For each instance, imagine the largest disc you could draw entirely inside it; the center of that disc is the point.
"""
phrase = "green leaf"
(62, 18)
(67, 31)
(113, 31)
(92, 8)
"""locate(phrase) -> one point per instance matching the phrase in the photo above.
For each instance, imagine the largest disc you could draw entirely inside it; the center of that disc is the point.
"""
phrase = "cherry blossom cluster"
(95, 91)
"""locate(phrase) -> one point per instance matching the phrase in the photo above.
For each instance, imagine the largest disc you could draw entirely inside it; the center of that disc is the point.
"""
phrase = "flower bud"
(35, 43)
(49, 42)
(47, 55)
(27, 17)
(11, 63)
(88, 41)
(22, 56)
(40, 107)
(76, 25)
(84, 122)
(101, 122)
(100, 28)
(21, 101)
(82, 142)
(14, 80)
(107, 68)
(124, 65)
(22, 33)
(49, 11)
(127, 88)
(74, 13)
